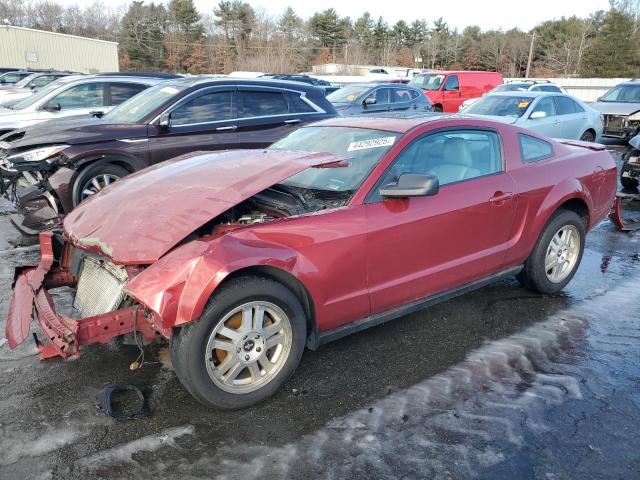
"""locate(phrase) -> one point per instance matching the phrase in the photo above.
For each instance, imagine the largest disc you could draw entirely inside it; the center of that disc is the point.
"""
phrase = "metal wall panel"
(28, 48)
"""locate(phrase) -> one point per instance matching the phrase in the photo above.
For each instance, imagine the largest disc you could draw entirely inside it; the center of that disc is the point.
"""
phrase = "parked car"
(630, 170)
(242, 258)
(620, 108)
(11, 78)
(72, 96)
(50, 168)
(28, 85)
(520, 86)
(551, 114)
(323, 84)
(368, 98)
(447, 90)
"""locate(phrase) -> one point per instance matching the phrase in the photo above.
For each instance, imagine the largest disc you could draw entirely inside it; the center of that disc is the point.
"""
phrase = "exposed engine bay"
(278, 201)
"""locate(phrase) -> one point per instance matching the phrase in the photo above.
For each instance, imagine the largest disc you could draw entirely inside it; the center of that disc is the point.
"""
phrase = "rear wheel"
(95, 178)
(557, 254)
(588, 136)
(246, 344)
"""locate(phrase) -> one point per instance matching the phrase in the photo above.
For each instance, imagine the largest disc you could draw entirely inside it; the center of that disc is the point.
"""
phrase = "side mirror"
(165, 121)
(369, 101)
(32, 87)
(537, 114)
(53, 107)
(96, 113)
(412, 185)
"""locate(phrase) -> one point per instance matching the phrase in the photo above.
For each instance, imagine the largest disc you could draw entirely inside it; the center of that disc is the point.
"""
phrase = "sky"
(488, 14)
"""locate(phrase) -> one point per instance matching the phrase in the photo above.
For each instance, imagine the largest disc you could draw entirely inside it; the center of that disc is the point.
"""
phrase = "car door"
(404, 99)
(266, 114)
(420, 246)
(203, 120)
(451, 94)
(76, 100)
(573, 121)
(382, 98)
(542, 118)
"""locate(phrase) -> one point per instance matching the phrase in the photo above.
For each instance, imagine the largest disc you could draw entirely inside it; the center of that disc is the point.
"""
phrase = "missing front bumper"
(62, 335)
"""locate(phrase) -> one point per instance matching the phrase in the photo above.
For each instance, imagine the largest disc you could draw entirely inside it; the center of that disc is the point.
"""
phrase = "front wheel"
(588, 136)
(94, 178)
(557, 254)
(246, 344)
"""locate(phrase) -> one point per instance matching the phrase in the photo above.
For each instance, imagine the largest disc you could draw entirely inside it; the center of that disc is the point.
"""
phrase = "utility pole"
(533, 39)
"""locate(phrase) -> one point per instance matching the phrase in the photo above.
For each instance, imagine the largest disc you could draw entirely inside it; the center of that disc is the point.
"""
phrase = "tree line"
(176, 37)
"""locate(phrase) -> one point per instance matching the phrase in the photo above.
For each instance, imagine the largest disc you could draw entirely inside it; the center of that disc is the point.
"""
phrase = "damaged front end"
(620, 126)
(105, 311)
(26, 180)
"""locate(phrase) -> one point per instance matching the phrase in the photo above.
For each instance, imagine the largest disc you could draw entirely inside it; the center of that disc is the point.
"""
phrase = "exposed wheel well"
(293, 284)
(578, 206)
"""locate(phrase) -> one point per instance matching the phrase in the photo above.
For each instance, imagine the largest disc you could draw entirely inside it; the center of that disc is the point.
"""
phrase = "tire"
(588, 136)
(104, 173)
(534, 275)
(627, 182)
(201, 367)
(437, 108)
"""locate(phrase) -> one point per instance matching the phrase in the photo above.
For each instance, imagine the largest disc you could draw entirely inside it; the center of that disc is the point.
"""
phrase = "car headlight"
(635, 117)
(37, 154)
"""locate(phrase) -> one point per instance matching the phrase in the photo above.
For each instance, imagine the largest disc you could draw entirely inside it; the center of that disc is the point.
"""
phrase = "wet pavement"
(502, 383)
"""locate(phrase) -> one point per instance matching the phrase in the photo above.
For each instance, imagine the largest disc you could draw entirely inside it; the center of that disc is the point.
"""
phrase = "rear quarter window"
(534, 149)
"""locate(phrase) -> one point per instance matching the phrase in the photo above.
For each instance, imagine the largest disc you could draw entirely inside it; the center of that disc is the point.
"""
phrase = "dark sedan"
(366, 98)
(49, 168)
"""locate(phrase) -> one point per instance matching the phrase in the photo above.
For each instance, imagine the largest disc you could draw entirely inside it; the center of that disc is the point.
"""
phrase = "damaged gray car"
(620, 108)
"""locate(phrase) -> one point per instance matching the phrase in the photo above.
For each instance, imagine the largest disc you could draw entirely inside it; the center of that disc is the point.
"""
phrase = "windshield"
(363, 149)
(348, 94)
(623, 94)
(41, 93)
(139, 106)
(25, 80)
(500, 106)
(428, 82)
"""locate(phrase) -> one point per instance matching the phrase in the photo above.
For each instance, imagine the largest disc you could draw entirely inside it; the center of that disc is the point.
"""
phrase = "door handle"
(500, 198)
(293, 120)
(228, 128)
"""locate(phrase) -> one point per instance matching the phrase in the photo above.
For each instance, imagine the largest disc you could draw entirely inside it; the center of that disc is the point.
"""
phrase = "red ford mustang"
(242, 258)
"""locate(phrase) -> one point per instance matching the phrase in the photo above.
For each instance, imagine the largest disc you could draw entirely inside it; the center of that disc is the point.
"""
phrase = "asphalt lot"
(502, 383)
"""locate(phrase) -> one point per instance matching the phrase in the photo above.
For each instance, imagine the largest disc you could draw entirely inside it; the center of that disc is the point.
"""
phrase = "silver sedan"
(555, 115)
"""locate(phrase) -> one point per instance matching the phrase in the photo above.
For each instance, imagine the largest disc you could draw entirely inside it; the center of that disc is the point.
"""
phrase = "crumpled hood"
(138, 219)
(615, 108)
(74, 130)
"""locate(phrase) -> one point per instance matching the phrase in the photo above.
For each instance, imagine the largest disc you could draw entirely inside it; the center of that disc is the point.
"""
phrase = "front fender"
(178, 286)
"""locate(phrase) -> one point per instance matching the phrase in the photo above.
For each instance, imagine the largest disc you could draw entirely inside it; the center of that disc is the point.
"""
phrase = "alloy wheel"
(248, 347)
(97, 183)
(562, 254)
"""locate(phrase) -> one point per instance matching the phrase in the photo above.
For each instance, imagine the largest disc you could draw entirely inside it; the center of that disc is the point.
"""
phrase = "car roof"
(115, 78)
(259, 82)
(393, 123)
(528, 93)
(634, 82)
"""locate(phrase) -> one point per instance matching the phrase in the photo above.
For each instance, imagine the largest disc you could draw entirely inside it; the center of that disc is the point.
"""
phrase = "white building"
(29, 48)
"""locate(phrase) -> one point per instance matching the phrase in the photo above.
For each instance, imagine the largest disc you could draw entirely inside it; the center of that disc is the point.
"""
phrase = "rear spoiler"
(598, 147)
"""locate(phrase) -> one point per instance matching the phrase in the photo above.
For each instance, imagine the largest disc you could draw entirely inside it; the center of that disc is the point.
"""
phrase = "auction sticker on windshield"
(371, 143)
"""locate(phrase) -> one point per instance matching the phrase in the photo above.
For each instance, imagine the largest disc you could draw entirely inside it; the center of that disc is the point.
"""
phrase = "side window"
(41, 81)
(546, 105)
(256, 103)
(452, 156)
(381, 95)
(533, 149)
(564, 105)
(210, 107)
(87, 95)
(402, 95)
(452, 83)
(124, 91)
(297, 104)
